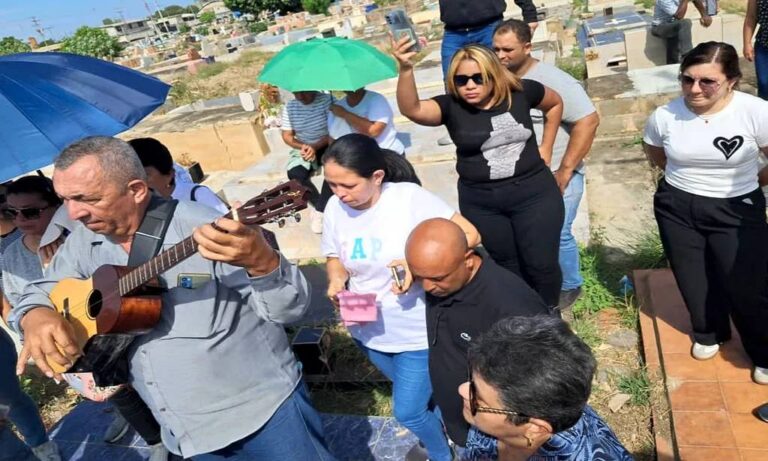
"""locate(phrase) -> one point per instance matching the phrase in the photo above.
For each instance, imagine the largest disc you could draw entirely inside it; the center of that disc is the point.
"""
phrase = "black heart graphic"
(728, 146)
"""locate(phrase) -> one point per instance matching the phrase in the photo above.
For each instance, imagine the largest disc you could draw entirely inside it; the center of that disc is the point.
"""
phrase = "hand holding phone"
(401, 276)
(401, 27)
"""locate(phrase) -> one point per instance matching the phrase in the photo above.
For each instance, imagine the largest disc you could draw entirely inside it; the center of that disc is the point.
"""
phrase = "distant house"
(130, 31)
(171, 24)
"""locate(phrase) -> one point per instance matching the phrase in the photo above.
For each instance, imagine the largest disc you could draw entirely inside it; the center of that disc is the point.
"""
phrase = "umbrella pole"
(40, 173)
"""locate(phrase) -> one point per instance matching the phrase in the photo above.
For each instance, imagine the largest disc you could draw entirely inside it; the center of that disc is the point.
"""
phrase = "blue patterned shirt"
(590, 439)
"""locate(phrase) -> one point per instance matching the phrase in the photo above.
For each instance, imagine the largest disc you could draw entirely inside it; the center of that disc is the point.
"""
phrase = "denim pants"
(761, 69)
(453, 40)
(23, 411)
(569, 250)
(411, 395)
(295, 432)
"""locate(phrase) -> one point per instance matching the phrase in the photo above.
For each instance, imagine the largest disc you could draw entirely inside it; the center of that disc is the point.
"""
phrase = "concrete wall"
(232, 145)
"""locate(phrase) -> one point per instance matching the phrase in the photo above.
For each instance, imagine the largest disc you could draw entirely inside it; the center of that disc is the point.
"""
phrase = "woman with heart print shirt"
(709, 206)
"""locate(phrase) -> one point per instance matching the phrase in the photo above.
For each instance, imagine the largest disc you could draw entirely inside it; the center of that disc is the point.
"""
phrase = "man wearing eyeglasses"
(670, 25)
(466, 294)
(526, 396)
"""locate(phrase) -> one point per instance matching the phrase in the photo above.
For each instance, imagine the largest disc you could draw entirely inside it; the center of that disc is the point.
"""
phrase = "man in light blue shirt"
(217, 370)
(669, 24)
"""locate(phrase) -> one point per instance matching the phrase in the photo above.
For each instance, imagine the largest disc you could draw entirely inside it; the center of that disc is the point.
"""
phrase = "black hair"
(539, 367)
(714, 52)
(153, 153)
(362, 154)
(35, 185)
(521, 30)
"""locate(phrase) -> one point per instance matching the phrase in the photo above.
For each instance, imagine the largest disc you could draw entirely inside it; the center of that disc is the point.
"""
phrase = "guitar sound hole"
(94, 304)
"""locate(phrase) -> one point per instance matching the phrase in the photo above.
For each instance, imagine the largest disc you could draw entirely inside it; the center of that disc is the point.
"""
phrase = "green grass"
(574, 66)
(368, 400)
(638, 386)
(636, 141)
(210, 70)
(595, 292)
(647, 252)
(586, 329)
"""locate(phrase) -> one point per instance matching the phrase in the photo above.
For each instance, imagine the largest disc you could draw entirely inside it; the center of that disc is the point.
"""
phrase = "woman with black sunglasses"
(30, 203)
(505, 186)
(709, 206)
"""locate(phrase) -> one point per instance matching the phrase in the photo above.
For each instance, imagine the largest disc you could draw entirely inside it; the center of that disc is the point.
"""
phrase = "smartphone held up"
(401, 26)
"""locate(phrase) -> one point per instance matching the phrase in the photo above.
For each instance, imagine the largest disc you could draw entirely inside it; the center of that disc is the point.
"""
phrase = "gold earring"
(530, 441)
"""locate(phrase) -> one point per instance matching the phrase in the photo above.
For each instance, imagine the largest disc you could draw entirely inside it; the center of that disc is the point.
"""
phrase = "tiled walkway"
(711, 401)
(350, 438)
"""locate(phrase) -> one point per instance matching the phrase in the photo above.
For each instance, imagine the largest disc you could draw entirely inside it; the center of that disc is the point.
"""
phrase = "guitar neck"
(142, 274)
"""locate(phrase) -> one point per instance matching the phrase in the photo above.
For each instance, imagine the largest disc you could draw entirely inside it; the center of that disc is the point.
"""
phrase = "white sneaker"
(316, 221)
(702, 352)
(760, 375)
(117, 428)
(158, 452)
(48, 451)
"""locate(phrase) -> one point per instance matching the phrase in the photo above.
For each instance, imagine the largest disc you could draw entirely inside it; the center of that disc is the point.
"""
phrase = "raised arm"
(424, 112)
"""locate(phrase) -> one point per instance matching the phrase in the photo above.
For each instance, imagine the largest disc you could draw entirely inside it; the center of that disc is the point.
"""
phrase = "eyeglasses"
(28, 213)
(462, 80)
(474, 408)
(707, 85)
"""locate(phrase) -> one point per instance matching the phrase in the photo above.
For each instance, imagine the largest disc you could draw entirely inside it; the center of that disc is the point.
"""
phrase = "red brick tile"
(732, 364)
(703, 429)
(697, 396)
(708, 454)
(673, 340)
(744, 397)
(682, 366)
(749, 431)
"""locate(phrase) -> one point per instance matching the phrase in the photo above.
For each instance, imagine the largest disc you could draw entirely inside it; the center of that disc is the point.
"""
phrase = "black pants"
(519, 221)
(130, 405)
(718, 249)
(677, 38)
(316, 199)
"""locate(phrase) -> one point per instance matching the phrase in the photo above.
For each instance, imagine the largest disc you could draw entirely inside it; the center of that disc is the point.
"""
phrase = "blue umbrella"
(49, 100)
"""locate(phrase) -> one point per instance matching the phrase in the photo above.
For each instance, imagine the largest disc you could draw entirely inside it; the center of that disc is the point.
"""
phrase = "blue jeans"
(411, 394)
(23, 411)
(453, 40)
(569, 250)
(295, 431)
(761, 69)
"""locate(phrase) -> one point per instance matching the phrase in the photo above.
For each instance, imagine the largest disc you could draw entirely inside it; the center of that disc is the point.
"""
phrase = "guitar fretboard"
(167, 259)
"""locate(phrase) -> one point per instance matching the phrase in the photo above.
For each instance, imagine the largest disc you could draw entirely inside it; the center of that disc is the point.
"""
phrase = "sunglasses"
(706, 84)
(462, 80)
(474, 408)
(28, 213)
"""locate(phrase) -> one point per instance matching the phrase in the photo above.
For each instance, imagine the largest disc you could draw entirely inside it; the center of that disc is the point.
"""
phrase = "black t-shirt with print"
(496, 143)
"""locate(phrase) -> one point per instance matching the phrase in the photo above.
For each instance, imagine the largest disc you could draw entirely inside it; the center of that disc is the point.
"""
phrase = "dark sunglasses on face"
(474, 408)
(706, 84)
(28, 213)
(462, 80)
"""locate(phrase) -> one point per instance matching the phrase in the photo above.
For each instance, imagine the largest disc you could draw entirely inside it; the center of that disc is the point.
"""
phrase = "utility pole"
(38, 27)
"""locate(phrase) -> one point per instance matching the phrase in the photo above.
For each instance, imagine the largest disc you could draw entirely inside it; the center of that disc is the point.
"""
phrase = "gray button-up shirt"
(218, 364)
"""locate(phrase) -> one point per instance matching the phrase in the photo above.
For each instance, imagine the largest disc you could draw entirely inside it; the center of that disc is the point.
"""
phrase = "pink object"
(357, 308)
(85, 385)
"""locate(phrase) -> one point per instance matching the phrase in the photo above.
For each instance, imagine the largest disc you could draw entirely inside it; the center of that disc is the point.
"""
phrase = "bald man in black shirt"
(466, 294)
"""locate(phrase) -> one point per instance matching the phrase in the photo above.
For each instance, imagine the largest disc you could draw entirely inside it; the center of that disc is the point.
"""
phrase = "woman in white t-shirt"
(377, 203)
(709, 207)
(366, 112)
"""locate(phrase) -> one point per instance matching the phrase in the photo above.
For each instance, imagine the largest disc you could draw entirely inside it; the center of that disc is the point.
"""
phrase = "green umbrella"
(328, 64)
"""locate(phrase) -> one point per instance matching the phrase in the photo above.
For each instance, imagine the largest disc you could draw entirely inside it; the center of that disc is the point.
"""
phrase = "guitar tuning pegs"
(297, 217)
(281, 223)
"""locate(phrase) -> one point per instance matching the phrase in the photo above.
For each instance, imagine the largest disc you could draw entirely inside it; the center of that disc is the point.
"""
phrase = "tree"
(202, 30)
(107, 21)
(255, 7)
(173, 10)
(91, 41)
(11, 45)
(316, 6)
(193, 9)
(183, 28)
(207, 17)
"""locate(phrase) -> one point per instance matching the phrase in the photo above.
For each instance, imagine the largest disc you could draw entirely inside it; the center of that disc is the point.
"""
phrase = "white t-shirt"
(204, 195)
(365, 241)
(714, 155)
(375, 108)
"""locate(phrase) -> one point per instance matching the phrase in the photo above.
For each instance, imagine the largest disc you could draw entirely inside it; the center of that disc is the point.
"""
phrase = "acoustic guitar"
(118, 302)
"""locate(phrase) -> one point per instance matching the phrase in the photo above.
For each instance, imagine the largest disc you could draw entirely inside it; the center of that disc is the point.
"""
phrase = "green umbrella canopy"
(328, 64)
